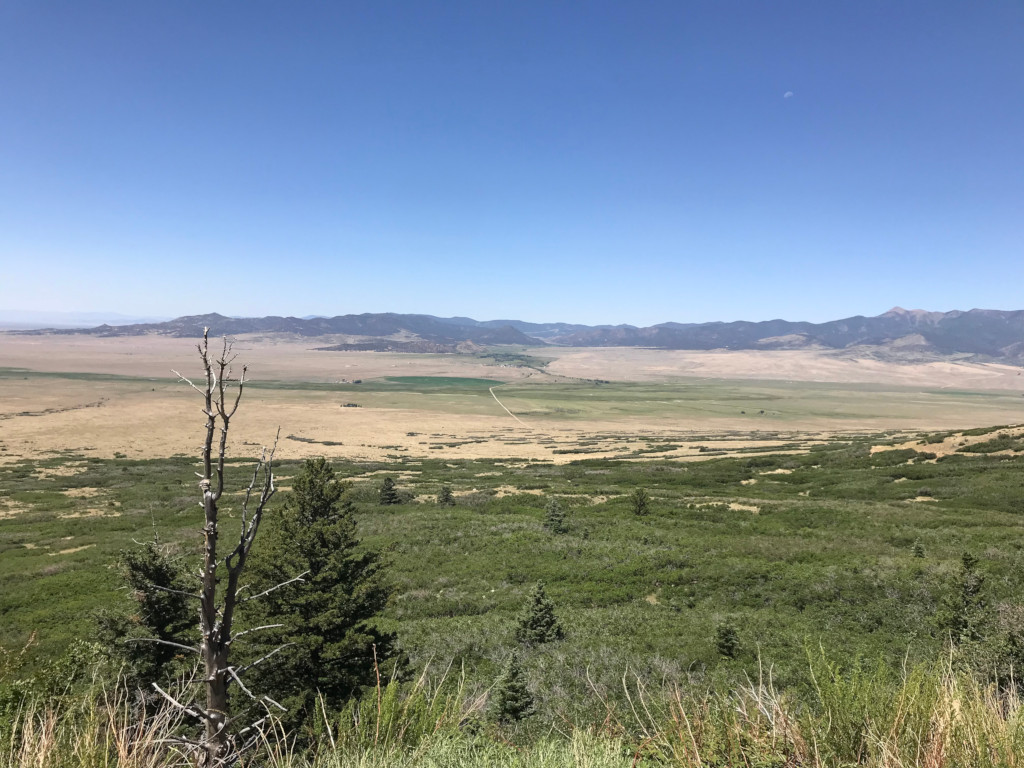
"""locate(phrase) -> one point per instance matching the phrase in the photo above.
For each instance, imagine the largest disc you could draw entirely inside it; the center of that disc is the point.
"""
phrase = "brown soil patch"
(70, 551)
(408, 474)
(744, 507)
(69, 469)
(12, 508)
(82, 493)
(953, 443)
(511, 490)
(90, 513)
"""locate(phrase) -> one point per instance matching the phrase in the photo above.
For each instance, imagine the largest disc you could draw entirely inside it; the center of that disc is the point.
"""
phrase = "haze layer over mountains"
(978, 333)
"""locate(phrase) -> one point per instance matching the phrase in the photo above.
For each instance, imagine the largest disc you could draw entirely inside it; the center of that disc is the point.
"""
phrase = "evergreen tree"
(388, 493)
(445, 497)
(917, 549)
(537, 622)
(161, 609)
(510, 699)
(554, 517)
(640, 502)
(964, 614)
(328, 617)
(727, 640)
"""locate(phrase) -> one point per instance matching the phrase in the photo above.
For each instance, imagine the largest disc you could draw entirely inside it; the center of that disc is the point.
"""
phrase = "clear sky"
(613, 162)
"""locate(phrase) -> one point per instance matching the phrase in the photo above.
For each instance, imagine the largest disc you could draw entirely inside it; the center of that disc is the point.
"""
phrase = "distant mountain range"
(11, 319)
(899, 333)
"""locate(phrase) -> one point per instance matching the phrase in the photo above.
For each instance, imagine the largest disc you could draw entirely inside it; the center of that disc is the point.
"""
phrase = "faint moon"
(787, 95)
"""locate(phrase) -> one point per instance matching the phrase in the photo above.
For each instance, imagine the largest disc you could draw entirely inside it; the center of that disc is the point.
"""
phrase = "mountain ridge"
(990, 334)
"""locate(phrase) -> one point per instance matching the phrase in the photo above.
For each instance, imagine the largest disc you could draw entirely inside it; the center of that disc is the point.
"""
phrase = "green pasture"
(756, 403)
(750, 405)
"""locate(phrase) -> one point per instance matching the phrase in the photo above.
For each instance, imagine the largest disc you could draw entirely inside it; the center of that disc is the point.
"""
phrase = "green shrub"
(640, 502)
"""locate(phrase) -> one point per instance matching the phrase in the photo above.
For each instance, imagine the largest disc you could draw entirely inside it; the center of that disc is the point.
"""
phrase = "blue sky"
(632, 162)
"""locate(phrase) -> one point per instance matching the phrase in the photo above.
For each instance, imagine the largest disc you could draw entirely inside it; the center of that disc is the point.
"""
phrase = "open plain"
(118, 396)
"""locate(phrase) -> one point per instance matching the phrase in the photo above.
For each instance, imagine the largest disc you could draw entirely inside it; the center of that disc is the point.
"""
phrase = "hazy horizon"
(24, 320)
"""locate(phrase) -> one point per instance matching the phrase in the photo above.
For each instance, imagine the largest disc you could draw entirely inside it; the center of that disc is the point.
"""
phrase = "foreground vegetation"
(827, 578)
(928, 715)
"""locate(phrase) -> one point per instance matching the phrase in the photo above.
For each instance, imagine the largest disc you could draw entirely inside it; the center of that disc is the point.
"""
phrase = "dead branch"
(260, 660)
(237, 679)
(300, 578)
(187, 381)
(181, 592)
(255, 629)
(183, 707)
(160, 642)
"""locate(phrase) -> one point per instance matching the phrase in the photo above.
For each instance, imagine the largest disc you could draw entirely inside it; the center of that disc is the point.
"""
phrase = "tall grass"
(927, 715)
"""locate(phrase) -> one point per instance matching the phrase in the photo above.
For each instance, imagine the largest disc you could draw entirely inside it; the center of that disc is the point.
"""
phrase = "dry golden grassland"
(107, 396)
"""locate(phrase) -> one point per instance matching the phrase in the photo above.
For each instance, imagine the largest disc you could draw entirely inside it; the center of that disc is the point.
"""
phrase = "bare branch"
(179, 740)
(160, 642)
(254, 629)
(184, 708)
(238, 395)
(237, 679)
(181, 592)
(255, 726)
(299, 578)
(260, 660)
(188, 381)
(267, 698)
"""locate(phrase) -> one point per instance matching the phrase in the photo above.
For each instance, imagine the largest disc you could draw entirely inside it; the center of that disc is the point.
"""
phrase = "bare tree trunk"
(216, 604)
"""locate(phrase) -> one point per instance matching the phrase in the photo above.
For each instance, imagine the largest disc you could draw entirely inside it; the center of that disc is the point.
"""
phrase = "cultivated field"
(105, 397)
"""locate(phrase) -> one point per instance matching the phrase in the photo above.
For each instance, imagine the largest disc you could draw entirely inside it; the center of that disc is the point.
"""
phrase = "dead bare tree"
(219, 590)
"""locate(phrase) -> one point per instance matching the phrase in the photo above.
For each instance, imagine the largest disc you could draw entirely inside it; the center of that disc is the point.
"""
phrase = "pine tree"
(640, 502)
(917, 549)
(445, 497)
(554, 517)
(510, 699)
(328, 617)
(388, 493)
(537, 622)
(727, 640)
(161, 609)
(964, 615)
